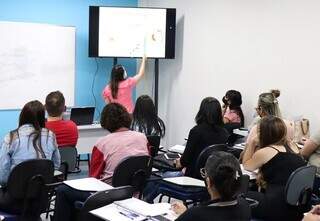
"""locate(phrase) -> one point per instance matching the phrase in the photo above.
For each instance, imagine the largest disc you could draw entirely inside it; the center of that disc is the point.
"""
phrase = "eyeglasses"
(203, 173)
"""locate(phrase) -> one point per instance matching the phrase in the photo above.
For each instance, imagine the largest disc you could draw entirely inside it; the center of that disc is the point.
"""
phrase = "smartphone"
(172, 156)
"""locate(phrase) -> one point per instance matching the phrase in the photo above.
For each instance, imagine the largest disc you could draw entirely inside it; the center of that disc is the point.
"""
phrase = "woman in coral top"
(119, 90)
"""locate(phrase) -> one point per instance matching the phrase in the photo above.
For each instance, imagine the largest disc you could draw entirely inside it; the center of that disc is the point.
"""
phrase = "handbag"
(301, 130)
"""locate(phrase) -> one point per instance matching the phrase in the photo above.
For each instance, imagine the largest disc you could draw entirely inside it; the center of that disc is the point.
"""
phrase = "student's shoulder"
(137, 134)
(70, 123)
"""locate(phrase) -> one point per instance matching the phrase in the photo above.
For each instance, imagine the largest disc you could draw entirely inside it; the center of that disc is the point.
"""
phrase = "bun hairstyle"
(269, 104)
(223, 169)
(275, 92)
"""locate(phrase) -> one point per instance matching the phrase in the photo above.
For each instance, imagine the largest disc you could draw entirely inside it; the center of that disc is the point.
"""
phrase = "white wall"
(247, 45)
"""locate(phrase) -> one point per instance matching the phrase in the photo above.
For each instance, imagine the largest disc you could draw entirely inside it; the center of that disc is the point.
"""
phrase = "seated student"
(276, 93)
(66, 131)
(222, 182)
(276, 160)
(145, 118)
(31, 140)
(268, 105)
(232, 112)
(311, 152)
(106, 155)
(208, 131)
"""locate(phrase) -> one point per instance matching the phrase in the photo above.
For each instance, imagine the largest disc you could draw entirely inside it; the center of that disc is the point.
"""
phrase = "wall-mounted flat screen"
(132, 32)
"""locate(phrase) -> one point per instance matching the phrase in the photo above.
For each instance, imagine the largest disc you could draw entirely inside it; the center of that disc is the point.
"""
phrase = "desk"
(88, 136)
(243, 133)
(185, 181)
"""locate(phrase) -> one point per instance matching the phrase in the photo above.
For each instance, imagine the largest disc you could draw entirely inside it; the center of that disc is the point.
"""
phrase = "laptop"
(82, 115)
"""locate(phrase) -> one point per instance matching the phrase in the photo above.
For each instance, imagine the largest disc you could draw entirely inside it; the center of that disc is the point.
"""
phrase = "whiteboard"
(35, 59)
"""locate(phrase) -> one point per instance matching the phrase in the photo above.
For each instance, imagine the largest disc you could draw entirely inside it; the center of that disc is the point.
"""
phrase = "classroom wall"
(248, 45)
(68, 13)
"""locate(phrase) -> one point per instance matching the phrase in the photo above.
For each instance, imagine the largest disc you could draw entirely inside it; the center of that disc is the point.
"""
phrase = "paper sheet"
(177, 149)
(144, 208)
(88, 184)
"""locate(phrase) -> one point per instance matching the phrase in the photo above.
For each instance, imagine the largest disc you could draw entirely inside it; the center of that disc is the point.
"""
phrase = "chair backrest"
(69, 155)
(233, 137)
(204, 155)
(154, 143)
(103, 198)
(133, 171)
(300, 185)
(21, 174)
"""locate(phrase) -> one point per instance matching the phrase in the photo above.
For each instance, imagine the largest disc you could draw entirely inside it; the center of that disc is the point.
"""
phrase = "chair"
(133, 171)
(101, 199)
(233, 137)
(26, 187)
(69, 155)
(193, 194)
(154, 144)
(299, 186)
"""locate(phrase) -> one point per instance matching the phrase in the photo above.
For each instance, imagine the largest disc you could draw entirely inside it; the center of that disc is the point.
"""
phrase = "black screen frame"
(94, 32)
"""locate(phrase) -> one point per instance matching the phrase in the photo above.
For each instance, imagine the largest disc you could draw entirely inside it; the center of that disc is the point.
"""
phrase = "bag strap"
(304, 130)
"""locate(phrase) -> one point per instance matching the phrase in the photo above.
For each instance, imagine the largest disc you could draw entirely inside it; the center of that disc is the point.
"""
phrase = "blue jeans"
(151, 191)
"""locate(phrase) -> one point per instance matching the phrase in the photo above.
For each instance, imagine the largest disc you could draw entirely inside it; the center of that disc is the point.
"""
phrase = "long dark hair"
(210, 112)
(235, 100)
(117, 75)
(145, 118)
(32, 113)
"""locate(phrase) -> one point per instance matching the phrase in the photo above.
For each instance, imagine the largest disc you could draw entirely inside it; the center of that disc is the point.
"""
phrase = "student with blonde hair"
(268, 105)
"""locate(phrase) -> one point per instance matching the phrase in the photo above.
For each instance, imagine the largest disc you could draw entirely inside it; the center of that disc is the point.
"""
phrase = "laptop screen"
(82, 115)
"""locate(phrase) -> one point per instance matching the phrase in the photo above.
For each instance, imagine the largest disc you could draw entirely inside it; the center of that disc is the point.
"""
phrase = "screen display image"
(131, 32)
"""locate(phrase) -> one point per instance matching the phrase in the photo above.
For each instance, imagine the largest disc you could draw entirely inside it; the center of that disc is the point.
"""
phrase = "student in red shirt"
(66, 131)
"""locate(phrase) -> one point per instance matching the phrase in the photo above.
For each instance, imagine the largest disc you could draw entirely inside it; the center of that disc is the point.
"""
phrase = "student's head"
(118, 73)
(222, 175)
(144, 115)
(114, 116)
(233, 100)
(55, 104)
(268, 104)
(33, 113)
(272, 131)
(209, 112)
(144, 106)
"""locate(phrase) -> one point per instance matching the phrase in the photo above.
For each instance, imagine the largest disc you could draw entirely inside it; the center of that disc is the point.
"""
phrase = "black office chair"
(154, 144)
(299, 187)
(133, 171)
(191, 194)
(100, 199)
(233, 137)
(69, 155)
(26, 186)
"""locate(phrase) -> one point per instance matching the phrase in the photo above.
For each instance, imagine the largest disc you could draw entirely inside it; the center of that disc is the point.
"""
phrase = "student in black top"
(145, 118)
(208, 131)
(221, 174)
(276, 159)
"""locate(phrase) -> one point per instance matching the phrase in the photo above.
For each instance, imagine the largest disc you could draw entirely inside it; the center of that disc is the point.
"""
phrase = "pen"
(126, 215)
